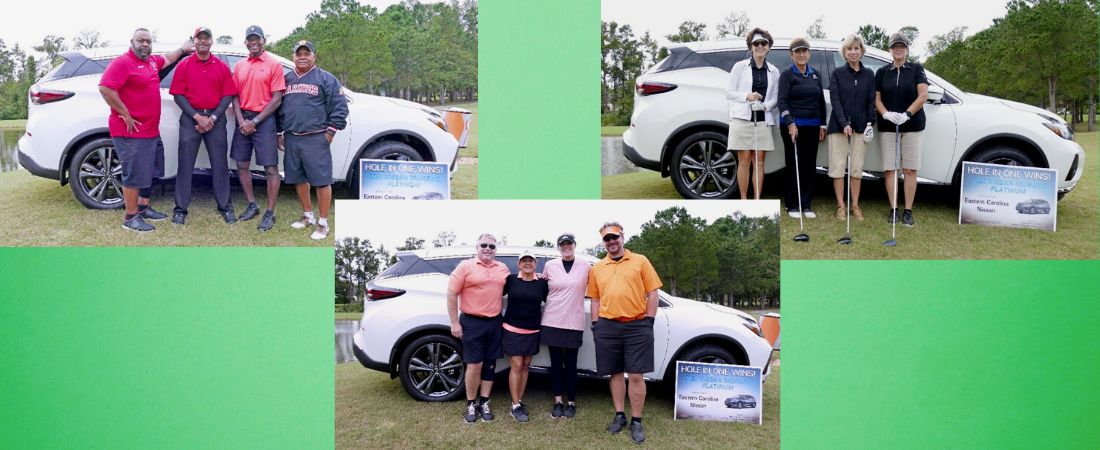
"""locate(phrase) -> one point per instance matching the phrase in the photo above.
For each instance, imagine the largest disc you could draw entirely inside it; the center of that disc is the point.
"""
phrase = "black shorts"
(623, 346)
(263, 141)
(561, 337)
(481, 338)
(519, 344)
(307, 159)
(142, 160)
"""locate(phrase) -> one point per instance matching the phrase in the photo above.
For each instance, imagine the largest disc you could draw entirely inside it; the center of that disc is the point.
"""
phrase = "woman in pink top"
(563, 322)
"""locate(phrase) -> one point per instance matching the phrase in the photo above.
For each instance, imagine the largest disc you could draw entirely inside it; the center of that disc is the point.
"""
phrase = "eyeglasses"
(489, 246)
(610, 237)
(760, 44)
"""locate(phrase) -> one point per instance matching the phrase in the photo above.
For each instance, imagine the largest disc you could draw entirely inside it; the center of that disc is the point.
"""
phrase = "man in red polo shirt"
(203, 88)
(260, 86)
(131, 87)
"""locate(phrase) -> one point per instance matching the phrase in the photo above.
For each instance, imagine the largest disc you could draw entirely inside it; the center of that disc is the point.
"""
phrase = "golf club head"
(891, 243)
(844, 240)
(801, 237)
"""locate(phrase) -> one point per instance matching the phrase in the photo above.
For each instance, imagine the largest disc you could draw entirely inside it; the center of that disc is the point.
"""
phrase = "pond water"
(612, 160)
(345, 329)
(9, 141)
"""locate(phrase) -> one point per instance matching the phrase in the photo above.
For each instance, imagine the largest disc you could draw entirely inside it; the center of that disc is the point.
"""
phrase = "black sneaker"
(893, 216)
(520, 413)
(229, 217)
(250, 212)
(138, 224)
(570, 411)
(558, 411)
(151, 214)
(617, 424)
(179, 218)
(907, 218)
(486, 413)
(267, 222)
(637, 433)
(471, 412)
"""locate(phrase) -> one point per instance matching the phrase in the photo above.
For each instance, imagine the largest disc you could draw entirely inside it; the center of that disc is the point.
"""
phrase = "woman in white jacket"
(752, 95)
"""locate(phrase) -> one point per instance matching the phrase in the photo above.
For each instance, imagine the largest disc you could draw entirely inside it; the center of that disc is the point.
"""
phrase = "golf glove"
(893, 117)
(902, 118)
(868, 133)
(757, 106)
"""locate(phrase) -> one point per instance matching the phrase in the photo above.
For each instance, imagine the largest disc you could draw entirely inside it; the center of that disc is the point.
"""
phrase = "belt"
(473, 316)
(204, 111)
(625, 319)
(307, 133)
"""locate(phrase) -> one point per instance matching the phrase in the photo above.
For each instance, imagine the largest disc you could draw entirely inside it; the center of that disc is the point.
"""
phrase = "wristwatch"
(214, 117)
(908, 114)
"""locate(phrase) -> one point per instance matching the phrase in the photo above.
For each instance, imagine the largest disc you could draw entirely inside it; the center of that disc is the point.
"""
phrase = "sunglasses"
(760, 44)
(610, 237)
(489, 246)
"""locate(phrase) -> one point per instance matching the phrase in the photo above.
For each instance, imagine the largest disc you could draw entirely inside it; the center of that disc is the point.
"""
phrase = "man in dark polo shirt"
(260, 85)
(313, 110)
(131, 87)
(623, 288)
(203, 88)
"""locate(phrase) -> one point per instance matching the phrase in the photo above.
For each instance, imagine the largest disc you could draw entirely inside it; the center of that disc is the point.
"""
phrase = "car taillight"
(380, 292)
(652, 87)
(43, 96)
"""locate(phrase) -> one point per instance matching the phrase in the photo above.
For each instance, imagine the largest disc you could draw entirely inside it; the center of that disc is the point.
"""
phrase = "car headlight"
(1058, 127)
(438, 121)
(754, 328)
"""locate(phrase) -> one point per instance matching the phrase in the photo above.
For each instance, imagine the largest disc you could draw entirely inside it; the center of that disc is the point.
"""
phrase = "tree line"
(733, 261)
(411, 50)
(1042, 52)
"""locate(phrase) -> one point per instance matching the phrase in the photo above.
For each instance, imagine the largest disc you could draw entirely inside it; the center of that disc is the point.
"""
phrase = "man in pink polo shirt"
(479, 282)
(260, 86)
(131, 87)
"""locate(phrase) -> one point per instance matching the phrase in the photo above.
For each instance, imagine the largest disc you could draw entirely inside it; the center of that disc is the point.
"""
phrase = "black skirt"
(517, 344)
(560, 337)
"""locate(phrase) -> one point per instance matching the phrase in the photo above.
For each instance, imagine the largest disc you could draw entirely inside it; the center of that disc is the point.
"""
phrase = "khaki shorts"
(838, 155)
(910, 149)
(741, 136)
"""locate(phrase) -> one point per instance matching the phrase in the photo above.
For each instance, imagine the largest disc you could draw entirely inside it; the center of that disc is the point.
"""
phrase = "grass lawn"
(646, 184)
(59, 220)
(937, 234)
(16, 123)
(373, 411)
(349, 315)
(464, 182)
(613, 130)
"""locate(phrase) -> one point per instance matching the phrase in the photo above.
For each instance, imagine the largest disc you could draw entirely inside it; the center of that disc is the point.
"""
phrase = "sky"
(790, 18)
(27, 22)
(522, 221)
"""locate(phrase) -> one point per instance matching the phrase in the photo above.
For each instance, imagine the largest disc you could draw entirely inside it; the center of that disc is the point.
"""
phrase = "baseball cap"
(798, 43)
(899, 38)
(526, 254)
(254, 30)
(566, 237)
(200, 30)
(306, 44)
(611, 229)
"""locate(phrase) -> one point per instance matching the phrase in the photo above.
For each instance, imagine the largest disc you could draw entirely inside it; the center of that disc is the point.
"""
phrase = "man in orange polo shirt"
(479, 283)
(623, 288)
(260, 86)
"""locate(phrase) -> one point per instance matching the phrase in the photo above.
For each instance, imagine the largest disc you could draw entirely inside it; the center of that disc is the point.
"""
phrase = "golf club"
(755, 166)
(801, 236)
(893, 241)
(847, 239)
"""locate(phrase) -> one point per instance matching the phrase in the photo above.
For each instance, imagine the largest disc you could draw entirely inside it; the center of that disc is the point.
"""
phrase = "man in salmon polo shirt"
(623, 288)
(260, 86)
(131, 87)
(479, 283)
(203, 88)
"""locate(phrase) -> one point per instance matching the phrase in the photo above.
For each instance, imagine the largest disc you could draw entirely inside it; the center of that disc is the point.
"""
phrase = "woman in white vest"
(752, 97)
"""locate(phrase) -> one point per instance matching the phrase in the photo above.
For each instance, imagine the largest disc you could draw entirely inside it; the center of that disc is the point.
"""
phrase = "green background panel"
(539, 93)
(940, 354)
(158, 348)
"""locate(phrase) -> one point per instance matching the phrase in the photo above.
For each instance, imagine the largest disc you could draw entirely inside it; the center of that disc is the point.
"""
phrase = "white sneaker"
(809, 214)
(794, 214)
(319, 232)
(303, 223)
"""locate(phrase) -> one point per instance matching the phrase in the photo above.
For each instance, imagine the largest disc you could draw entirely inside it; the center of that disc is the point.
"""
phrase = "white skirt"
(741, 136)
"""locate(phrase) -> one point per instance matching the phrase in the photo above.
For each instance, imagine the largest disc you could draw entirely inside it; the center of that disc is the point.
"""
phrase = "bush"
(349, 307)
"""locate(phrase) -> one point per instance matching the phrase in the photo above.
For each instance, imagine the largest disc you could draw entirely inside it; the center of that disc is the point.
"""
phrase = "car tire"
(707, 353)
(701, 165)
(95, 175)
(431, 369)
(1004, 155)
(392, 150)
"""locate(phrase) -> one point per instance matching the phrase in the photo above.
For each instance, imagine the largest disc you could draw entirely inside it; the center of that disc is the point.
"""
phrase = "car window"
(724, 60)
(398, 269)
(91, 67)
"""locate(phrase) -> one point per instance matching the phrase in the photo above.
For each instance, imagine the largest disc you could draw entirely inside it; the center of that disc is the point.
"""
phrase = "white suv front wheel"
(702, 167)
(95, 175)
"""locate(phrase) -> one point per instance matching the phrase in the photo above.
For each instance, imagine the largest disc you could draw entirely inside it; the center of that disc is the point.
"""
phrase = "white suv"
(680, 123)
(67, 138)
(405, 330)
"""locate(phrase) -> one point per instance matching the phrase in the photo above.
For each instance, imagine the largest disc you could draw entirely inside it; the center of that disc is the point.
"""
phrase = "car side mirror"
(935, 94)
